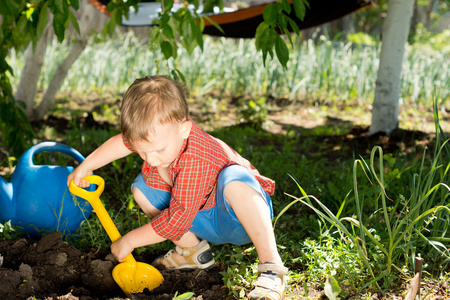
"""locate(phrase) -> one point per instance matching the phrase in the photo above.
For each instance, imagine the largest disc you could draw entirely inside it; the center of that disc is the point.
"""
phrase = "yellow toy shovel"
(132, 276)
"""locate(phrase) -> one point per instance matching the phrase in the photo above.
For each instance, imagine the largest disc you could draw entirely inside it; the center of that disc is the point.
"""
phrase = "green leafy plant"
(8, 231)
(409, 226)
(361, 38)
(332, 288)
(276, 21)
(402, 223)
(184, 296)
(253, 111)
(241, 268)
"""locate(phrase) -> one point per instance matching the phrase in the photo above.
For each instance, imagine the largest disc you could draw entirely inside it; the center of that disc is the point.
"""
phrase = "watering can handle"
(50, 146)
(94, 199)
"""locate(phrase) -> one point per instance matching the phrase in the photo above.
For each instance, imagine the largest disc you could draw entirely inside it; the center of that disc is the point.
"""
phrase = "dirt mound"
(50, 268)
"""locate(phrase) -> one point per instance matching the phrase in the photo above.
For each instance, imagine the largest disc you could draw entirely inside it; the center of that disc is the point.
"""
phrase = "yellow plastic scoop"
(132, 276)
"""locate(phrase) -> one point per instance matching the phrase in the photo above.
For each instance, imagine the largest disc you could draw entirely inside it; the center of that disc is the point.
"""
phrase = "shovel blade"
(133, 278)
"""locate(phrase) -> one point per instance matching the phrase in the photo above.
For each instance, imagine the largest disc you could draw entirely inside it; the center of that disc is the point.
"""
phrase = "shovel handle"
(94, 199)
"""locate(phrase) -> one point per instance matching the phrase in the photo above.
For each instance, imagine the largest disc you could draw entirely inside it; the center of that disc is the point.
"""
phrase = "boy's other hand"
(121, 248)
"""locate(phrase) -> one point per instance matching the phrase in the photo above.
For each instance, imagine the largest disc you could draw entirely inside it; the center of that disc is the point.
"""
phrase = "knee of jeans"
(145, 205)
(233, 173)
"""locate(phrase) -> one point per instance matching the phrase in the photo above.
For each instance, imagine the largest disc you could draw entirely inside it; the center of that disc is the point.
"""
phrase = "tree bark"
(348, 24)
(90, 19)
(422, 14)
(26, 90)
(387, 87)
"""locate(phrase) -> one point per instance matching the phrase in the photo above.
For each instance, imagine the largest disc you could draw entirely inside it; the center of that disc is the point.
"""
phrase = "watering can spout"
(6, 199)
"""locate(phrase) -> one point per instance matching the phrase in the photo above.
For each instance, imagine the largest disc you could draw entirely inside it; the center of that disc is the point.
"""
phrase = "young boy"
(192, 186)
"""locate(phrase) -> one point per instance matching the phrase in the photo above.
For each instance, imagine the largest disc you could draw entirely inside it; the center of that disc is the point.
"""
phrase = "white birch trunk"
(348, 23)
(387, 90)
(26, 90)
(90, 18)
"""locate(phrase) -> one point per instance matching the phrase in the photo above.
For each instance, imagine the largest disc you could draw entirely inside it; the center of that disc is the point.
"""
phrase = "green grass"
(311, 245)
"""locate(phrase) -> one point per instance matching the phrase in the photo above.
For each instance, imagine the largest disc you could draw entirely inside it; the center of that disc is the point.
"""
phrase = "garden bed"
(50, 268)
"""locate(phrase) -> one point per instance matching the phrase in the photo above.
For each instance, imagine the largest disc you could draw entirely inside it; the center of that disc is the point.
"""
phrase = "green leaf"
(43, 18)
(282, 21)
(186, 29)
(270, 14)
(74, 21)
(299, 8)
(258, 35)
(20, 34)
(59, 5)
(282, 51)
(184, 296)
(11, 7)
(168, 32)
(208, 6)
(289, 35)
(175, 74)
(164, 19)
(75, 4)
(201, 24)
(215, 24)
(167, 50)
(266, 42)
(174, 49)
(332, 288)
(109, 27)
(197, 32)
(59, 20)
(268, 38)
(190, 31)
(294, 26)
(286, 6)
(117, 16)
(155, 35)
(167, 6)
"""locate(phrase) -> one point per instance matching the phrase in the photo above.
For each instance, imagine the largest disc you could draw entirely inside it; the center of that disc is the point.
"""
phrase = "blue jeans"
(218, 224)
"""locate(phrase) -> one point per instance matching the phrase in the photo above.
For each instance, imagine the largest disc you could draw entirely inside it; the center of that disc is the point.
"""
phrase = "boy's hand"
(121, 248)
(77, 175)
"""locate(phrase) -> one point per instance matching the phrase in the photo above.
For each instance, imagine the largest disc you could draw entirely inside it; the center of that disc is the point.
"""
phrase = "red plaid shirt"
(194, 175)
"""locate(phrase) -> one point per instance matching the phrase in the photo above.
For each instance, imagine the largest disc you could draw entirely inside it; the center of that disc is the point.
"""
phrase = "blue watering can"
(37, 199)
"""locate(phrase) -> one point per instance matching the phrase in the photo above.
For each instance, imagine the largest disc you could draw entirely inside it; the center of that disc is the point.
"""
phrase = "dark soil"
(52, 269)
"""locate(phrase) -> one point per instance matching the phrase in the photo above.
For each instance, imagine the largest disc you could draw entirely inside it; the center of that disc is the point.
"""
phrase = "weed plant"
(392, 232)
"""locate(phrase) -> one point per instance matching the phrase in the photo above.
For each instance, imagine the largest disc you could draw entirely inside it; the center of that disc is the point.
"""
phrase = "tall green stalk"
(411, 225)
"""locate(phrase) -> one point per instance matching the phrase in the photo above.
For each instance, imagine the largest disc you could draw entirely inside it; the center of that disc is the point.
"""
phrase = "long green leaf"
(281, 51)
(73, 21)
(43, 17)
(214, 23)
(270, 14)
(299, 8)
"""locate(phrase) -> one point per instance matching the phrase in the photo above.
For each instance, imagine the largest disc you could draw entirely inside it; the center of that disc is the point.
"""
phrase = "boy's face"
(164, 144)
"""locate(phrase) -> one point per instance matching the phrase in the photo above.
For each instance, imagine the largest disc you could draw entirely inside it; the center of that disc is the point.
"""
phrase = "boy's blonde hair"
(151, 100)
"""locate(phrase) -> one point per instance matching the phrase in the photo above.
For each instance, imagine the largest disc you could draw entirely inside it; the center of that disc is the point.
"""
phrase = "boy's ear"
(185, 129)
